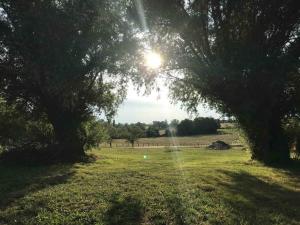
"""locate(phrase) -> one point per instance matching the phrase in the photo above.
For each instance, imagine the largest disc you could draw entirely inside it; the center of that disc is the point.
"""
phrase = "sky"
(155, 107)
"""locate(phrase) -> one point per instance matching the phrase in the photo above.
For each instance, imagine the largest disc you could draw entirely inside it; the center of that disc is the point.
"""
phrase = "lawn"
(152, 186)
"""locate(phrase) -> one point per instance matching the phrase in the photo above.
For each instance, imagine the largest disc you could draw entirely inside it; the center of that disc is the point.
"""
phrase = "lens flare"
(153, 60)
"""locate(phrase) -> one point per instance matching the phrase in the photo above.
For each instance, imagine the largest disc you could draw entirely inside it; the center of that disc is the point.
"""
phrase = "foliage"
(152, 131)
(96, 133)
(172, 128)
(18, 130)
(174, 123)
(160, 125)
(119, 131)
(65, 59)
(19, 133)
(185, 128)
(241, 57)
(134, 133)
(199, 125)
(206, 125)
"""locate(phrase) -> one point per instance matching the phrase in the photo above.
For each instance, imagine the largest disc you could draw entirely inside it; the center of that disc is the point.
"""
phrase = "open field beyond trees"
(172, 186)
(228, 135)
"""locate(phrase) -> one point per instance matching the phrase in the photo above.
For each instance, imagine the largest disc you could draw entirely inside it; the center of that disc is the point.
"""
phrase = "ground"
(152, 186)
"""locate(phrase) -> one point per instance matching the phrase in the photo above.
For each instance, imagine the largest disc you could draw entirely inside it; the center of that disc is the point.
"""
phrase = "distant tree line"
(198, 126)
(132, 132)
(186, 127)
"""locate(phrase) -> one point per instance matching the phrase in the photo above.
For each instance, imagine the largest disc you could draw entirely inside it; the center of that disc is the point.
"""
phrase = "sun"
(153, 60)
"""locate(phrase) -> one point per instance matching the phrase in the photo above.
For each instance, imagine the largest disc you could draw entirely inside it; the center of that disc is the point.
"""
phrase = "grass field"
(230, 136)
(152, 186)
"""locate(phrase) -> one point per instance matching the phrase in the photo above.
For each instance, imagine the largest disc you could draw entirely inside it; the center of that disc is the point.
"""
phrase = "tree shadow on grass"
(18, 181)
(127, 211)
(292, 168)
(253, 200)
(176, 209)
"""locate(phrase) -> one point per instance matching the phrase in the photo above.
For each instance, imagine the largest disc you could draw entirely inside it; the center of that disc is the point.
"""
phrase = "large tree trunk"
(267, 139)
(69, 134)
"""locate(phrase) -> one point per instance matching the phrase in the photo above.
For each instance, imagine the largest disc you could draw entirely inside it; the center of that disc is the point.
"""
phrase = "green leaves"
(66, 59)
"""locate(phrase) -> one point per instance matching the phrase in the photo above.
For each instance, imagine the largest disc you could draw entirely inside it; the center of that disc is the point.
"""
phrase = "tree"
(152, 131)
(185, 128)
(134, 133)
(202, 125)
(172, 128)
(174, 123)
(238, 56)
(116, 131)
(160, 124)
(65, 59)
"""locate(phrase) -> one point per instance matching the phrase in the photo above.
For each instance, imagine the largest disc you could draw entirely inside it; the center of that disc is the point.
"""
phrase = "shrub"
(96, 133)
(17, 129)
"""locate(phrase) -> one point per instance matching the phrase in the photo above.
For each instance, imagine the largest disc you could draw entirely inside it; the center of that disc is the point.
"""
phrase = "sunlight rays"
(141, 13)
(153, 61)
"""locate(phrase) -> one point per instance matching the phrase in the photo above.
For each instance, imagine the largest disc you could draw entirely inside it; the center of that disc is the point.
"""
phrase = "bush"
(96, 133)
(28, 139)
(23, 138)
(17, 130)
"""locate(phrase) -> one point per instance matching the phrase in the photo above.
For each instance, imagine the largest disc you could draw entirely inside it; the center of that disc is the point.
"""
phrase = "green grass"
(151, 186)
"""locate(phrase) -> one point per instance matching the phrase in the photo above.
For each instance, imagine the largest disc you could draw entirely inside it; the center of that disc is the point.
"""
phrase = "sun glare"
(153, 60)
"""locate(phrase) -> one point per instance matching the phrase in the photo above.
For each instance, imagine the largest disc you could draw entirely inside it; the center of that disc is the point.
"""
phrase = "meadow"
(229, 135)
(174, 186)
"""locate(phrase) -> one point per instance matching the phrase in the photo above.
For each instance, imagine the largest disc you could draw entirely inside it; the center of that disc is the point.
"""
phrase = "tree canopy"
(66, 59)
(241, 57)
